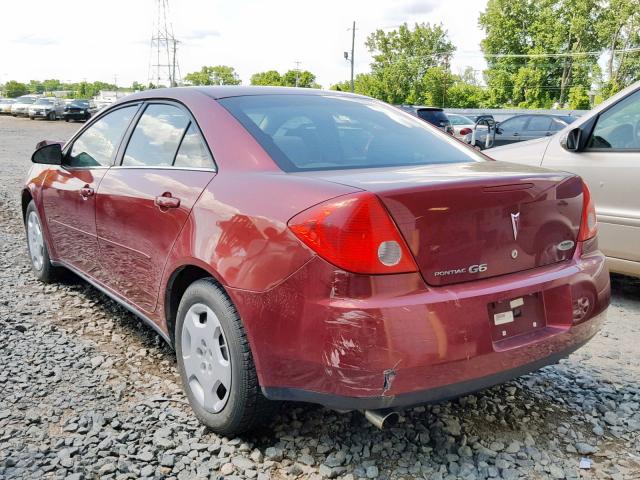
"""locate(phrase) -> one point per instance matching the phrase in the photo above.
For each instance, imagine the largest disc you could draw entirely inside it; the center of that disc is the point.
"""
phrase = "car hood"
(530, 152)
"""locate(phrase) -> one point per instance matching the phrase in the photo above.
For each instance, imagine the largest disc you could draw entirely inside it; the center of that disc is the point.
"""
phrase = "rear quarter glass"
(324, 132)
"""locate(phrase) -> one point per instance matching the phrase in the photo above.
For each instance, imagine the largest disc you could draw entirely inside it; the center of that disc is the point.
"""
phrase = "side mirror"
(50, 154)
(572, 142)
(577, 138)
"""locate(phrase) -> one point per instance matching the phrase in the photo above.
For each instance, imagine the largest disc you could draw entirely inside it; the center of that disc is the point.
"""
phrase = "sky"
(75, 40)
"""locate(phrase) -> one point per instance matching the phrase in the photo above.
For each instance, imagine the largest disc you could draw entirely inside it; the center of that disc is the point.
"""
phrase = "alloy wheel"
(206, 358)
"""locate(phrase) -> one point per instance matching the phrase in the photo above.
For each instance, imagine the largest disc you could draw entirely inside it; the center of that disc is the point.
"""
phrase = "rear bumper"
(422, 397)
(364, 342)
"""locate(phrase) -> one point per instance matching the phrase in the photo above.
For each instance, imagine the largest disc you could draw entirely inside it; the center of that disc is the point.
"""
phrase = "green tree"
(519, 36)
(402, 58)
(270, 77)
(305, 79)
(579, 98)
(218, 75)
(35, 86)
(13, 89)
(51, 85)
(466, 95)
(619, 29)
(136, 86)
(363, 84)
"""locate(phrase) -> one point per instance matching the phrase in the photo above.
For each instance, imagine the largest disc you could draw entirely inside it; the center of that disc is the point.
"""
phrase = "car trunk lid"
(476, 220)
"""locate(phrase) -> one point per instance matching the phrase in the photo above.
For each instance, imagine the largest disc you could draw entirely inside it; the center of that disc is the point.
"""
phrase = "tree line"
(539, 53)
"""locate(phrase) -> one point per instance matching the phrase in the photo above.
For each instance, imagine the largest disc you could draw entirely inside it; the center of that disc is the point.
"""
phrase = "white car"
(462, 126)
(5, 105)
(20, 107)
(603, 147)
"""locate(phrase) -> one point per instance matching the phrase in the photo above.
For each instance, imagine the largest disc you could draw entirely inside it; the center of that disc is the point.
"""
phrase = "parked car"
(461, 124)
(295, 244)
(5, 105)
(20, 107)
(433, 115)
(603, 147)
(77, 110)
(50, 108)
(520, 128)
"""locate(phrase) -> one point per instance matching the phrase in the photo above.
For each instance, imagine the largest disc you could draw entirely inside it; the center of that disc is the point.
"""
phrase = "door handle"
(86, 192)
(167, 201)
(516, 134)
(548, 134)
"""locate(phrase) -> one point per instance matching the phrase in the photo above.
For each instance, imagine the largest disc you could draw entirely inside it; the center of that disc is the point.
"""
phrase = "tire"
(66, 119)
(207, 327)
(51, 116)
(37, 249)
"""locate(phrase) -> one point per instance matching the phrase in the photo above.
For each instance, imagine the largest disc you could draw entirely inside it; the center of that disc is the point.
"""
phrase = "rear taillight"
(465, 131)
(589, 223)
(356, 233)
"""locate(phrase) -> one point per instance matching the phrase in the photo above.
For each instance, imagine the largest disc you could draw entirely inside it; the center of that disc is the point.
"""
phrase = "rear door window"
(157, 136)
(539, 124)
(193, 153)
(513, 124)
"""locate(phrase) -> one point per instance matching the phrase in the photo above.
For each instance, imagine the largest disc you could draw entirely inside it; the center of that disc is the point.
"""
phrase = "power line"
(559, 55)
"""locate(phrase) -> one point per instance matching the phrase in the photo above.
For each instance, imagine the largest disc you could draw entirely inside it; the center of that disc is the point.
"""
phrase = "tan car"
(603, 147)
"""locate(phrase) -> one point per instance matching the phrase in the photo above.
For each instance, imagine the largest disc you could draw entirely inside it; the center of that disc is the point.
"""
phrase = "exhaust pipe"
(383, 418)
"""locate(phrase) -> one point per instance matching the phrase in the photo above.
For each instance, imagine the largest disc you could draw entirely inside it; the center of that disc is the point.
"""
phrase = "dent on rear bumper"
(349, 341)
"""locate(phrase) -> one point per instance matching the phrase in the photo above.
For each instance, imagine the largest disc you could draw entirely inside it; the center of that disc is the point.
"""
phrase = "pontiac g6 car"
(317, 246)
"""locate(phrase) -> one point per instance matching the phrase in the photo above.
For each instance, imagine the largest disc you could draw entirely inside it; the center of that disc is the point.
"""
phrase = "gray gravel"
(86, 391)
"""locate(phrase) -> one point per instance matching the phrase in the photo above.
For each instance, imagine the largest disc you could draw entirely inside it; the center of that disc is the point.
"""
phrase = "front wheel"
(38, 252)
(215, 362)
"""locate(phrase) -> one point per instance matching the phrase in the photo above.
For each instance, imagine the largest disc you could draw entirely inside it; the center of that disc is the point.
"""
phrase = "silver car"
(603, 147)
(51, 108)
(5, 105)
(20, 108)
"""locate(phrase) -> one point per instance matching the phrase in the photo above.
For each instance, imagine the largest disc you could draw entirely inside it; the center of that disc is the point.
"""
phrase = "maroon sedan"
(295, 244)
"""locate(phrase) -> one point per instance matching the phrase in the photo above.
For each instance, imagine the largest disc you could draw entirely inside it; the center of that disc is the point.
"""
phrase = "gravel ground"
(86, 391)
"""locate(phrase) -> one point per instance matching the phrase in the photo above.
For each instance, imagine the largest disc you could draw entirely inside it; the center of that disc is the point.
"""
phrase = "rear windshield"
(313, 132)
(435, 117)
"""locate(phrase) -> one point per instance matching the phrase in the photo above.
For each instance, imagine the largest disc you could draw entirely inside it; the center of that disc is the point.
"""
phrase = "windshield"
(26, 100)
(460, 120)
(80, 104)
(44, 101)
(313, 132)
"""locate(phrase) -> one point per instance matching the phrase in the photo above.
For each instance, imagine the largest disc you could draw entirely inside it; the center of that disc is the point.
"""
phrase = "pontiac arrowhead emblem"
(515, 223)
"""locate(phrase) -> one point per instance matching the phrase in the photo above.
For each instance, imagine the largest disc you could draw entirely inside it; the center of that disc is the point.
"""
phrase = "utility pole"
(446, 73)
(350, 57)
(353, 44)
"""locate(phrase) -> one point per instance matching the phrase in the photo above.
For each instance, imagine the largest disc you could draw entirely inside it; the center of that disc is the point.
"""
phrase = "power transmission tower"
(164, 47)
(297, 62)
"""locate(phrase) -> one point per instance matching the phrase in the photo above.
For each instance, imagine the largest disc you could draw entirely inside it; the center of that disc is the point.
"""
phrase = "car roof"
(225, 91)
(422, 107)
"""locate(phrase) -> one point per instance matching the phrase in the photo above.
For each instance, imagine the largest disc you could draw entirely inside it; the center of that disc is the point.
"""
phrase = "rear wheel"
(215, 362)
(51, 116)
(38, 253)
